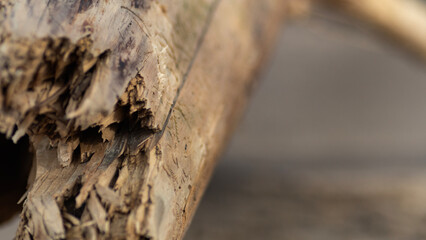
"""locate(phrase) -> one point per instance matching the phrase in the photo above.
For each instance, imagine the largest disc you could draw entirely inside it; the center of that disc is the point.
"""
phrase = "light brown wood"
(127, 104)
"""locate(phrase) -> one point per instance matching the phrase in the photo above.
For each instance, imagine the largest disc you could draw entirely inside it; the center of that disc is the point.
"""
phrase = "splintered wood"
(127, 105)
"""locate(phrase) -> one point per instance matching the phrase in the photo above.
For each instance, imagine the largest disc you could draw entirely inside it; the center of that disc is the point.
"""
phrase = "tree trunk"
(127, 105)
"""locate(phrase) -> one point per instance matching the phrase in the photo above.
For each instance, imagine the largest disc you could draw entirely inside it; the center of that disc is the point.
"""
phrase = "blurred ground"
(332, 146)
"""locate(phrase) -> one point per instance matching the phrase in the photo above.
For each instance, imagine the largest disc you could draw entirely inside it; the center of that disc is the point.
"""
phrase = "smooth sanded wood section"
(127, 105)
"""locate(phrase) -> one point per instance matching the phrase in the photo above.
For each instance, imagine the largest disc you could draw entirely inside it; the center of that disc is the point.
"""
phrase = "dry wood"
(127, 105)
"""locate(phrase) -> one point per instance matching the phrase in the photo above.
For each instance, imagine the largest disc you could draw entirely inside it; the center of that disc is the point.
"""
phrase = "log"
(127, 106)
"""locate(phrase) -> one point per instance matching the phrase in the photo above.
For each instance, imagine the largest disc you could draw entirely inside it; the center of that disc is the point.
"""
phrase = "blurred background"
(333, 145)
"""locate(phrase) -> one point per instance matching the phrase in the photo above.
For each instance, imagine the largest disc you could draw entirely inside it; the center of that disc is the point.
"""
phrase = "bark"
(127, 105)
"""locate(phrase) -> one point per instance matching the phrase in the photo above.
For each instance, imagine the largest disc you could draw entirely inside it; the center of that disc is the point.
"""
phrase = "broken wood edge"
(70, 79)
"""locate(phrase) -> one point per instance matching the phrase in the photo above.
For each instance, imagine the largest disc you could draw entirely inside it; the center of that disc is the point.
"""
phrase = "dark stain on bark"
(122, 63)
(87, 27)
(84, 5)
(141, 4)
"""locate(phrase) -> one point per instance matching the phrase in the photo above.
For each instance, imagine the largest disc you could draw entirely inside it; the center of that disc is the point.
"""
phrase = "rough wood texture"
(127, 105)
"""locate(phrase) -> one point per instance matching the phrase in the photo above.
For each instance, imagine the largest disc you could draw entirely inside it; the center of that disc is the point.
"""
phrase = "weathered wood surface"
(127, 105)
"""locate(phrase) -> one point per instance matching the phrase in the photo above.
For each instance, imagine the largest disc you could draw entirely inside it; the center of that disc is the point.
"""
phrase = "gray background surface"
(333, 145)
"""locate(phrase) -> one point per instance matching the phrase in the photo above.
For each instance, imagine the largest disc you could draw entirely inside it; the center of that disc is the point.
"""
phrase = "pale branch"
(403, 21)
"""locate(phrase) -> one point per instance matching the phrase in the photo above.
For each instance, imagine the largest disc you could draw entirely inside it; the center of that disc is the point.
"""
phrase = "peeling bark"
(127, 106)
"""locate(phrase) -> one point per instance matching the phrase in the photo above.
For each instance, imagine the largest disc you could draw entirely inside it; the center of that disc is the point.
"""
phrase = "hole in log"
(15, 167)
